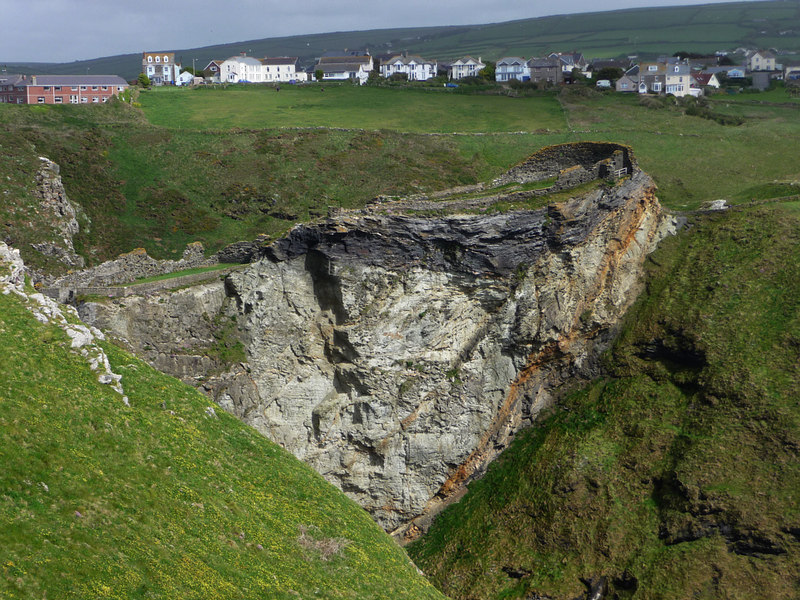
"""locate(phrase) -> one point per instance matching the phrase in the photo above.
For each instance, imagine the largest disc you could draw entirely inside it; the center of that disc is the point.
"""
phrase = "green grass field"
(159, 499)
(412, 110)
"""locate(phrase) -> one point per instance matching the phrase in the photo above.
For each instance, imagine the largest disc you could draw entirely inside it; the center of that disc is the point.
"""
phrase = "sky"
(68, 30)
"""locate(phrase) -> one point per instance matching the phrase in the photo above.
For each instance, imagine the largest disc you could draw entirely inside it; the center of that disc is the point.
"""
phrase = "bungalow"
(629, 82)
(511, 67)
(355, 66)
(160, 67)
(416, 68)
(465, 67)
(59, 89)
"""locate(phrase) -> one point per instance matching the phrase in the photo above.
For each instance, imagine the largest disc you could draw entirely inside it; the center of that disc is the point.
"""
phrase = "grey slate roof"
(74, 80)
(510, 60)
(279, 60)
(339, 67)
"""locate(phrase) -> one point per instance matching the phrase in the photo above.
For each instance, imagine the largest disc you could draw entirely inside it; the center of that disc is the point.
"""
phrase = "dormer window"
(652, 68)
(166, 59)
(158, 59)
(677, 69)
(149, 59)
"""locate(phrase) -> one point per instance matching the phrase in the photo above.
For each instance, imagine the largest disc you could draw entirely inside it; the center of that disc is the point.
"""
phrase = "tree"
(488, 72)
(143, 80)
(319, 74)
(610, 73)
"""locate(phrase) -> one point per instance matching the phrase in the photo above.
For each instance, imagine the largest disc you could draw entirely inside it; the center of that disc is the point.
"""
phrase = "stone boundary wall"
(572, 164)
(70, 294)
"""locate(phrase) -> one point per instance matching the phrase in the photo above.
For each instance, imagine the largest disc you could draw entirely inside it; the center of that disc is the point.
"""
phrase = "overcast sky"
(67, 30)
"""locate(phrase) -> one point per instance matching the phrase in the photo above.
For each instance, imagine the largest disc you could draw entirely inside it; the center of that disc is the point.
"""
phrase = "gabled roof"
(510, 60)
(703, 78)
(544, 63)
(407, 60)
(466, 60)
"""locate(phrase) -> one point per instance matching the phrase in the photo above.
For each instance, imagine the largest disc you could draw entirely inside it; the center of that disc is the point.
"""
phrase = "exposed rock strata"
(397, 354)
(54, 201)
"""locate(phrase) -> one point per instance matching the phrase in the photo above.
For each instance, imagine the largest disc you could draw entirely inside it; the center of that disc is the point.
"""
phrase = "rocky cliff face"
(398, 354)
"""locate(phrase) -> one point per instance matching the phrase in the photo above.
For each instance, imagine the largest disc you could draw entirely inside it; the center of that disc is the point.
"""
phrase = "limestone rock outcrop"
(398, 354)
(63, 214)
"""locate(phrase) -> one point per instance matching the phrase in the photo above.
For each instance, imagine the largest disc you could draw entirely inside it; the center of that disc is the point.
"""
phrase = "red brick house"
(59, 89)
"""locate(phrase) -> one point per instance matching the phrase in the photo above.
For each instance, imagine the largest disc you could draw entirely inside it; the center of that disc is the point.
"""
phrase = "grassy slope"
(676, 475)
(161, 187)
(160, 500)
(664, 30)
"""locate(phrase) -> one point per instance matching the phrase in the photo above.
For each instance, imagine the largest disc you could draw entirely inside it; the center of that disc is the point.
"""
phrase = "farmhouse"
(160, 67)
(59, 89)
(761, 60)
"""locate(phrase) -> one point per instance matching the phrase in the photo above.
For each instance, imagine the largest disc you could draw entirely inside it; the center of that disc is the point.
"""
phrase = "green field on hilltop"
(221, 171)
(160, 499)
(350, 107)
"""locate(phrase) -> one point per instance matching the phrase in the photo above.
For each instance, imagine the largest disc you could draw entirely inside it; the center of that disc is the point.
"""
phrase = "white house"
(761, 60)
(281, 69)
(241, 69)
(415, 68)
(352, 66)
(160, 67)
(465, 67)
(185, 78)
(512, 67)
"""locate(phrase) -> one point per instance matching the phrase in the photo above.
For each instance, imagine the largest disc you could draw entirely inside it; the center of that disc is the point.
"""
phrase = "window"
(73, 99)
(94, 88)
(46, 88)
(158, 59)
(105, 88)
(59, 100)
(40, 99)
(57, 88)
(166, 59)
(150, 70)
(105, 99)
(74, 88)
(149, 59)
(83, 88)
(85, 100)
(95, 99)
(652, 68)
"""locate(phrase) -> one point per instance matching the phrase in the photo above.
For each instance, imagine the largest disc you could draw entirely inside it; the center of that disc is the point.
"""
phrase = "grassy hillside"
(644, 31)
(224, 165)
(676, 475)
(161, 499)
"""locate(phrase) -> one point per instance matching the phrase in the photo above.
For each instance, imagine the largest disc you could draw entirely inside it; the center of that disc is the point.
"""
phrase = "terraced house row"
(59, 89)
